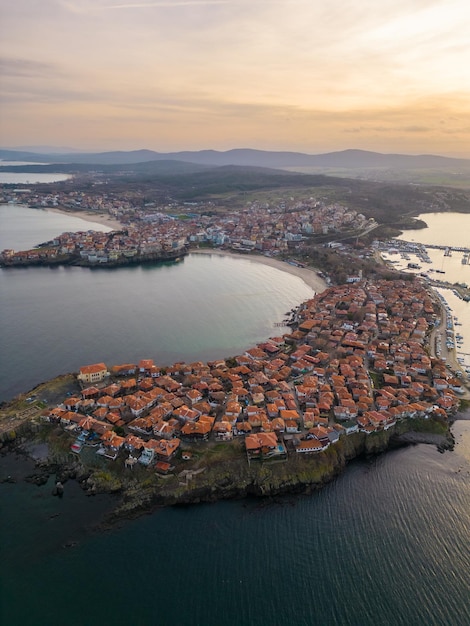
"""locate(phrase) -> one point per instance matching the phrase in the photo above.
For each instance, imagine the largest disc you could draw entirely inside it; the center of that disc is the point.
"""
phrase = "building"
(93, 373)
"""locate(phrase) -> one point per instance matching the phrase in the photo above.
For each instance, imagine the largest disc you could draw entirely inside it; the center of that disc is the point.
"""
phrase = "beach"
(90, 216)
(309, 276)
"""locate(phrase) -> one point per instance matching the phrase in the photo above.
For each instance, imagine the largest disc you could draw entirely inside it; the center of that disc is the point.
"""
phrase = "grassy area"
(377, 379)
(432, 426)
(214, 453)
(442, 177)
(28, 406)
(106, 481)
(464, 405)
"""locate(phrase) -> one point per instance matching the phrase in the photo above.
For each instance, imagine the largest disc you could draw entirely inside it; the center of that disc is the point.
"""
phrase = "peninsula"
(359, 370)
(354, 375)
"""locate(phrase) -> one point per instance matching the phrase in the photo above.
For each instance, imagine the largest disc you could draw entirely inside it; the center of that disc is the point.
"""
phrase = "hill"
(351, 159)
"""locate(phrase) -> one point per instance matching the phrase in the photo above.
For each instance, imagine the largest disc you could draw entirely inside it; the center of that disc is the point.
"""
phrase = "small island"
(355, 375)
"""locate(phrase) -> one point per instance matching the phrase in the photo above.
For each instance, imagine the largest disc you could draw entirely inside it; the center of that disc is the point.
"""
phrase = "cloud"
(390, 129)
(164, 5)
(26, 68)
(284, 72)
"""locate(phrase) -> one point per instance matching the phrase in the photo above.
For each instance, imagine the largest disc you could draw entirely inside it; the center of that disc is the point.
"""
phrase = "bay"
(30, 178)
(54, 320)
(26, 178)
(443, 229)
(22, 228)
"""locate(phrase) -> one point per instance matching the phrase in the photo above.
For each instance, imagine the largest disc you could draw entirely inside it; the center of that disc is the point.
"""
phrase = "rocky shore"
(139, 491)
(76, 260)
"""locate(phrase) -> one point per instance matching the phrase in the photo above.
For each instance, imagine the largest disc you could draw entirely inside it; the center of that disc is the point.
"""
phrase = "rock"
(58, 489)
(8, 479)
(37, 479)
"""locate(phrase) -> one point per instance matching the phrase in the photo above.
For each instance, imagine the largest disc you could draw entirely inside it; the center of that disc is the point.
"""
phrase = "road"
(450, 356)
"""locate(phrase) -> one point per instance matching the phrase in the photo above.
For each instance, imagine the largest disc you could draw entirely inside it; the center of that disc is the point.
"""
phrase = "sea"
(386, 543)
(28, 178)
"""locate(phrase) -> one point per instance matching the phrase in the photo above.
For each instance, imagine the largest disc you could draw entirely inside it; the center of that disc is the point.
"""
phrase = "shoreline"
(308, 275)
(88, 216)
(239, 481)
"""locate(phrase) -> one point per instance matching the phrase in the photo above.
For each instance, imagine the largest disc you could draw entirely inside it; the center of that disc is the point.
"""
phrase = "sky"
(311, 76)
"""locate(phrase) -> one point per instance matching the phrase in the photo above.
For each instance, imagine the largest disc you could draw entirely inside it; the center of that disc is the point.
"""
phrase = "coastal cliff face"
(237, 479)
(222, 476)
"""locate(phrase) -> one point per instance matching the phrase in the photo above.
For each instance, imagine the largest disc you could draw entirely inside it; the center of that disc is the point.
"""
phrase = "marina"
(440, 256)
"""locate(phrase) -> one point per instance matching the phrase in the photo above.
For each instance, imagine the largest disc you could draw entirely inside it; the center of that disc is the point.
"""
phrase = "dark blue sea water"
(387, 543)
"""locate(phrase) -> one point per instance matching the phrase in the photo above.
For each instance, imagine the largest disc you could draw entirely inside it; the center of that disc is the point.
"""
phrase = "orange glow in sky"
(390, 76)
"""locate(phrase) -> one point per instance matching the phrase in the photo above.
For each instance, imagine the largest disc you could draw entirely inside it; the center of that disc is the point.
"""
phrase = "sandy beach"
(98, 218)
(309, 276)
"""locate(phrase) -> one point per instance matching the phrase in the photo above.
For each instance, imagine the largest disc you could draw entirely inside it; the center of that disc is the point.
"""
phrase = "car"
(76, 446)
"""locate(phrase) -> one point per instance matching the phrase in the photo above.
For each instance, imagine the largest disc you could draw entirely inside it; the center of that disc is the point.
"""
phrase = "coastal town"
(235, 313)
(357, 361)
(370, 355)
(151, 233)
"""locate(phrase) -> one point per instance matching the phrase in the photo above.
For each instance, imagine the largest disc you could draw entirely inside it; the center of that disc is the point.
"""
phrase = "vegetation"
(464, 405)
(431, 426)
(392, 204)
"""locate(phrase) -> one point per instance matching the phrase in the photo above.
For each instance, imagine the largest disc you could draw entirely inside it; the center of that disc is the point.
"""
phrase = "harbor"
(441, 259)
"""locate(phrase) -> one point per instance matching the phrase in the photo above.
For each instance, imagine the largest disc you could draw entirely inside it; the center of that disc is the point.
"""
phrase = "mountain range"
(349, 159)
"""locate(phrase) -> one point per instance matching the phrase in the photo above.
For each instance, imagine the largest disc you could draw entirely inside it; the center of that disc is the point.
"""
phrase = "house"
(93, 373)
(309, 446)
(260, 443)
(198, 430)
(320, 433)
(165, 450)
(146, 365)
(112, 443)
(133, 443)
(223, 431)
(147, 456)
(162, 467)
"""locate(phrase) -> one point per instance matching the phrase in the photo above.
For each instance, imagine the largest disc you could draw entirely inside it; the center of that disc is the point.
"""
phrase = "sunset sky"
(304, 75)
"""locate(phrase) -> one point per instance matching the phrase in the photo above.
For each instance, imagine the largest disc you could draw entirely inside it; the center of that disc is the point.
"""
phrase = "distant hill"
(159, 168)
(350, 159)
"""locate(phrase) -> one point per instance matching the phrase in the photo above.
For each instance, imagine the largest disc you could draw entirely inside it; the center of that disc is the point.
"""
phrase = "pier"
(447, 249)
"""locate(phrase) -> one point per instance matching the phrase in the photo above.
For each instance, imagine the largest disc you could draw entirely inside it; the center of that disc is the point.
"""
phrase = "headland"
(352, 377)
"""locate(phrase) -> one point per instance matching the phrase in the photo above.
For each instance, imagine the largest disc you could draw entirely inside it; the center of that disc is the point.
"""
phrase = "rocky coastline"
(232, 479)
(77, 261)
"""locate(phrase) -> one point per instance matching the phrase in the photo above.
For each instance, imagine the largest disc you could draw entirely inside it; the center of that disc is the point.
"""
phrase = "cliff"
(217, 473)
(235, 478)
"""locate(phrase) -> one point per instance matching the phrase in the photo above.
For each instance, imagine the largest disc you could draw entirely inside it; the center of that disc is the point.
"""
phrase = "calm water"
(385, 544)
(53, 320)
(444, 229)
(22, 228)
(25, 178)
